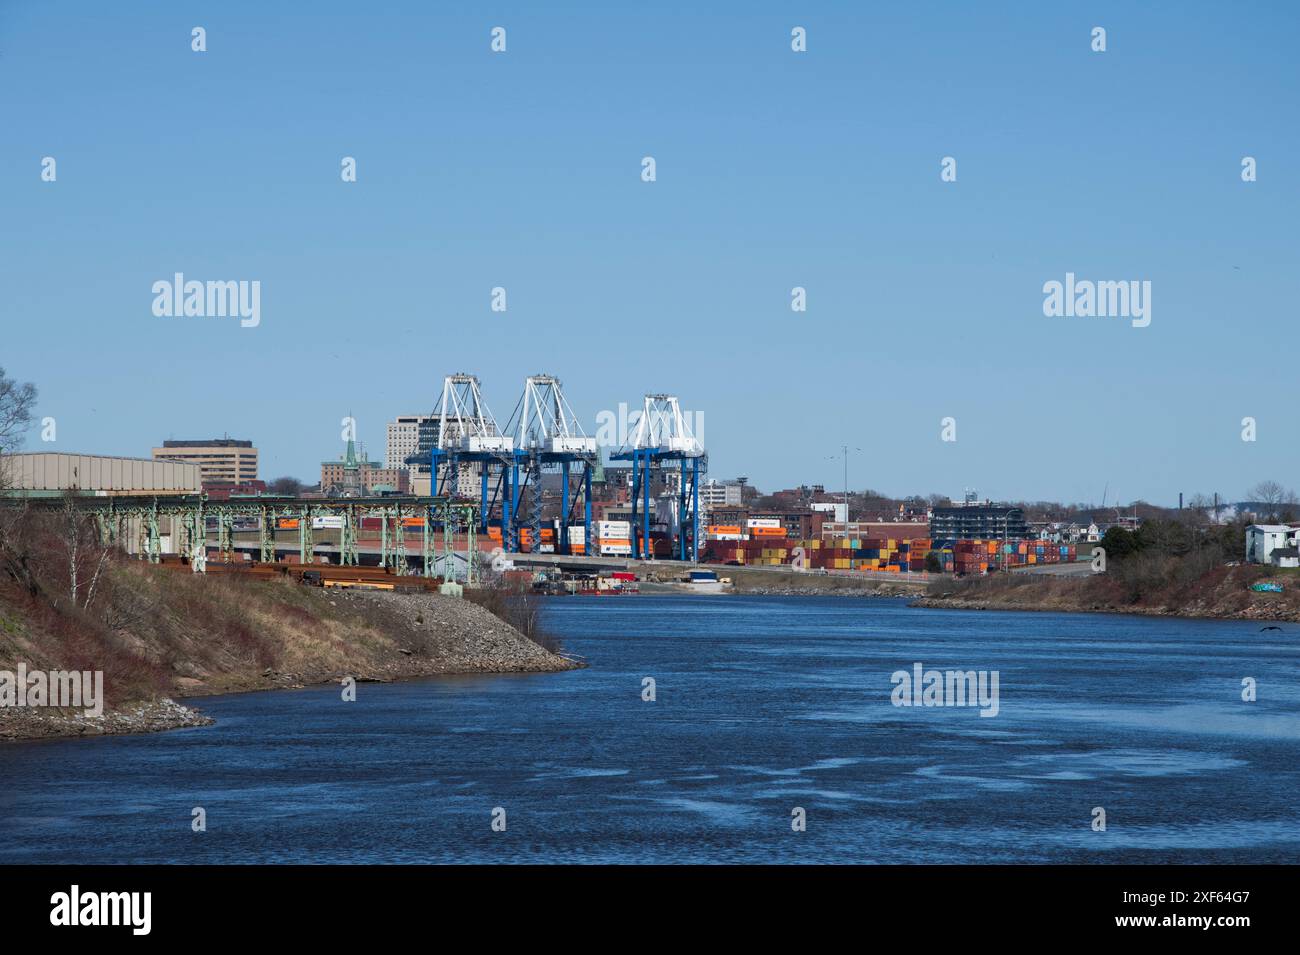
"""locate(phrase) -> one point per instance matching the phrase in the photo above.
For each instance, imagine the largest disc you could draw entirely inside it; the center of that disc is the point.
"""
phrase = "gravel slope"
(309, 636)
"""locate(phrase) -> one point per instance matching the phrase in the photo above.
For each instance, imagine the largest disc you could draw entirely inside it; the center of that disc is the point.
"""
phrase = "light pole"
(846, 490)
(844, 450)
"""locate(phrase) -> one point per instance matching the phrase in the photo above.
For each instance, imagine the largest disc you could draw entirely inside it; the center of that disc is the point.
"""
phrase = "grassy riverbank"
(1216, 592)
(159, 635)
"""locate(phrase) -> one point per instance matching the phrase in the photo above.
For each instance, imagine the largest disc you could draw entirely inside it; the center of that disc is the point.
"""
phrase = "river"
(763, 706)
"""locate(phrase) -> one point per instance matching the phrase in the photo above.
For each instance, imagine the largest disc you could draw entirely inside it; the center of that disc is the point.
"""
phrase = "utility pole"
(844, 449)
(846, 490)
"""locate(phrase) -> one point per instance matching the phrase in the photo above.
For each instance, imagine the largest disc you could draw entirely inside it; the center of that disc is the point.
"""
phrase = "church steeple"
(350, 458)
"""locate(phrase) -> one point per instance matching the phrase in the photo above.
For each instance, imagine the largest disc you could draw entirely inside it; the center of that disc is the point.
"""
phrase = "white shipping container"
(616, 549)
(319, 523)
(763, 522)
(614, 529)
(577, 534)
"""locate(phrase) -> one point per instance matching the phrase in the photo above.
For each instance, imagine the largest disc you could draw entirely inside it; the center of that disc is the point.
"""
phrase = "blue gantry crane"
(468, 433)
(547, 435)
(544, 435)
(661, 438)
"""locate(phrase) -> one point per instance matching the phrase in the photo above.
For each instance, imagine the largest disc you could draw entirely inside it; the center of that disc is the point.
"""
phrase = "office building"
(220, 460)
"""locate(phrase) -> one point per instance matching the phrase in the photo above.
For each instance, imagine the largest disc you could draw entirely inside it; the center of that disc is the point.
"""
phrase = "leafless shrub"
(521, 610)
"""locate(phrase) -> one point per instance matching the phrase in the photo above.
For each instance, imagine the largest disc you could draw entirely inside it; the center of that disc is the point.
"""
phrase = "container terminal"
(477, 493)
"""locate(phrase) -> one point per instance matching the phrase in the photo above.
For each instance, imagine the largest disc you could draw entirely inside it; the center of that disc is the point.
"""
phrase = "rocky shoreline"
(884, 590)
(406, 636)
(153, 716)
(1257, 612)
(772, 583)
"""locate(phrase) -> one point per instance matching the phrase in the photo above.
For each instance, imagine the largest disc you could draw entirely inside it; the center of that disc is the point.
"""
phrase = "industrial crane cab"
(572, 444)
(491, 443)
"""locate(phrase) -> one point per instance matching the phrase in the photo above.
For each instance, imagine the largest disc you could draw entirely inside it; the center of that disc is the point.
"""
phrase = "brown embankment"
(158, 635)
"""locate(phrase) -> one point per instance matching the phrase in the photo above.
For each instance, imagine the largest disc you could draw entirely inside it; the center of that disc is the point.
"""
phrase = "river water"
(763, 705)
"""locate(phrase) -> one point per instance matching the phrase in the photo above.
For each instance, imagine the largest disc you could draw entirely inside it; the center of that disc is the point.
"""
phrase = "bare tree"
(16, 403)
(16, 559)
(286, 486)
(1272, 494)
(85, 550)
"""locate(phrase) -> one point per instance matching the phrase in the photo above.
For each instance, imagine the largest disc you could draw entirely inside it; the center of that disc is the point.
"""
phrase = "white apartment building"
(404, 439)
(1263, 540)
(714, 493)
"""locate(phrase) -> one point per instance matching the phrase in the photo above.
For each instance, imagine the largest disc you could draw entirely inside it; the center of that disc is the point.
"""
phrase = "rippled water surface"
(763, 704)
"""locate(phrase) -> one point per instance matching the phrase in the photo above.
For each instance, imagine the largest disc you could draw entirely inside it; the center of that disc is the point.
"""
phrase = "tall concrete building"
(220, 460)
(404, 439)
(427, 429)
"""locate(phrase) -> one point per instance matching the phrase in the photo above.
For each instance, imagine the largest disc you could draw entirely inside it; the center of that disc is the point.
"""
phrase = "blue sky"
(774, 170)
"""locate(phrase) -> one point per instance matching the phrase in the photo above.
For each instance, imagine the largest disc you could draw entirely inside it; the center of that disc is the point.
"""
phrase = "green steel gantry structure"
(194, 513)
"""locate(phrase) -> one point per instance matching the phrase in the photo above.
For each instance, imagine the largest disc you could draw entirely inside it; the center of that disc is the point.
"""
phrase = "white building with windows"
(714, 493)
(1269, 544)
(404, 440)
(417, 434)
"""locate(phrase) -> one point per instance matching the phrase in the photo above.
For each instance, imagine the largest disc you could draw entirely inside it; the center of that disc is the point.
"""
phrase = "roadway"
(1076, 568)
(577, 562)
